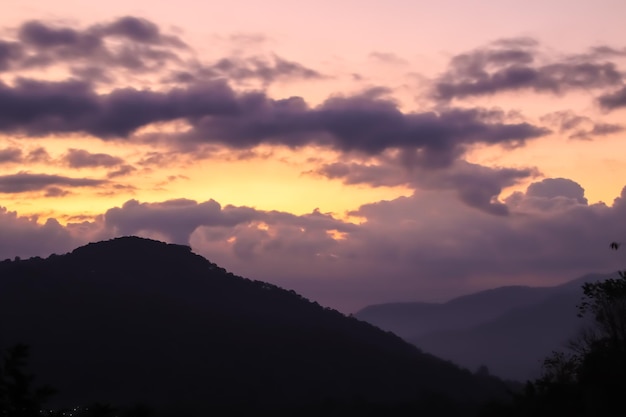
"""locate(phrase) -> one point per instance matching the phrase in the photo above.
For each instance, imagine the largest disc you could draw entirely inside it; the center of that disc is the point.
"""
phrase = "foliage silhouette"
(590, 379)
(18, 397)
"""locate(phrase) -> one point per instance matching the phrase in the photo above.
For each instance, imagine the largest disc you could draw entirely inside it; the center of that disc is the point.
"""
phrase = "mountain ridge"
(137, 320)
(508, 329)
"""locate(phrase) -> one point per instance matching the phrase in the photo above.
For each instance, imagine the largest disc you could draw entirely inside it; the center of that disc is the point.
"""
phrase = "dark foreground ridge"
(133, 320)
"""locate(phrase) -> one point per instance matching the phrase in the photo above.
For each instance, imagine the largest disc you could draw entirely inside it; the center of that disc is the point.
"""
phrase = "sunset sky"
(358, 152)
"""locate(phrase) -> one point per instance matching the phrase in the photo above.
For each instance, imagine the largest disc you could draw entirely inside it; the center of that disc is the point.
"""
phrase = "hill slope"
(134, 320)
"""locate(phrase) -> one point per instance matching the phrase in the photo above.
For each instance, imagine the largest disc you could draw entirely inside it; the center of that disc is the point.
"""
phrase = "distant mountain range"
(510, 330)
(133, 320)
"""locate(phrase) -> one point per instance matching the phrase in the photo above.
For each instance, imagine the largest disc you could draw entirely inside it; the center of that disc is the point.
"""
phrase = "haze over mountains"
(133, 320)
(508, 329)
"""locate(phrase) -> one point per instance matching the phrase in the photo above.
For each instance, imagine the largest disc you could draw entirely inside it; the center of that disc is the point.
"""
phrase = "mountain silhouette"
(508, 329)
(133, 320)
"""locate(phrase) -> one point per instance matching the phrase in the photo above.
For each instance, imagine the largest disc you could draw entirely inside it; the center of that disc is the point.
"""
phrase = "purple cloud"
(614, 100)
(580, 127)
(10, 155)
(218, 114)
(475, 185)
(9, 53)
(38, 155)
(261, 69)
(361, 123)
(80, 158)
(428, 245)
(514, 66)
(145, 47)
(25, 237)
(40, 35)
(557, 187)
(24, 181)
(138, 30)
(178, 219)
(122, 171)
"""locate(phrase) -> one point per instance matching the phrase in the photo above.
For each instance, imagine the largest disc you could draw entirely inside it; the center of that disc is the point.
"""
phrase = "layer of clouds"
(475, 185)
(178, 219)
(551, 188)
(133, 45)
(455, 233)
(26, 237)
(238, 69)
(80, 158)
(362, 123)
(518, 64)
(211, 111)
(9, 155)
(580, 127)
(25, 182)
(615, 100)
(140, 46)
(216, 113)
(422, 246)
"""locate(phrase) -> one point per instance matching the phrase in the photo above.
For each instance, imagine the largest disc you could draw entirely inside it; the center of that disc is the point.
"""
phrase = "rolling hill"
(133, 320)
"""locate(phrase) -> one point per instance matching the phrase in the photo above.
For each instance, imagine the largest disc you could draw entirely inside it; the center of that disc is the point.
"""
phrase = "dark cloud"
(98, 52)
(242, 69)
(217, 114)
(41, 108)
(23, 182)
(9, 52)
(479, 187)
(375, 175)
(361, 123)
(475, 185)
(599, 129)
(10, 155)
(144, 47)
(50, 45)
(159, 159)
(514, 66)
(614, 100)
(80, 158)
(139, 30)
(557, 187)
(113, 189)
(266, 71)
(40, 35)
(55, 192)
(122, 171)
(92, 74)
(565, 120)
(603, 51)
(38, 155)
(580, 127)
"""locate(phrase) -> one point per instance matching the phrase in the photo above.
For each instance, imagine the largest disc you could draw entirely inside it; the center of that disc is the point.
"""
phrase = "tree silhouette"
(18, 398)
(590, 379)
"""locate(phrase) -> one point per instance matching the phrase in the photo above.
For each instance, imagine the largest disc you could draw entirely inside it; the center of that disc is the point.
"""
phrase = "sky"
(358, 152)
